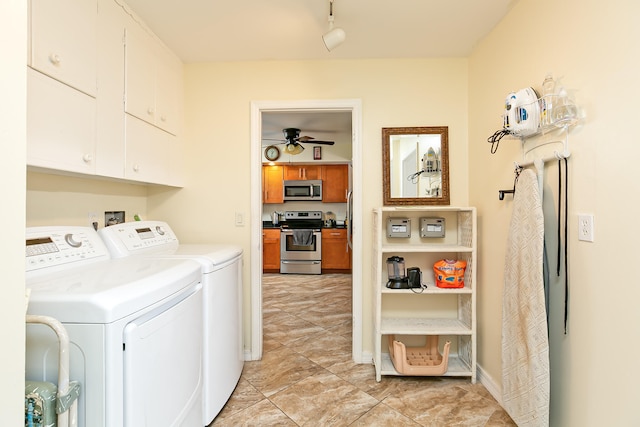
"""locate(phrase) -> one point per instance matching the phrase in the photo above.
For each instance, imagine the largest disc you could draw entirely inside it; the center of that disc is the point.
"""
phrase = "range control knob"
(71, 240)
(160, 230)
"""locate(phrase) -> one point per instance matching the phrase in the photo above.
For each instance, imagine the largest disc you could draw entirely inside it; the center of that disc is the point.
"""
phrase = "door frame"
(257, 108)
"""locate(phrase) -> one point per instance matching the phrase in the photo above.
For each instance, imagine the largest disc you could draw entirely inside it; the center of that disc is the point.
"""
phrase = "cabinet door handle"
(55, 59)
(87, 158)
(136, 168)
(150, 111)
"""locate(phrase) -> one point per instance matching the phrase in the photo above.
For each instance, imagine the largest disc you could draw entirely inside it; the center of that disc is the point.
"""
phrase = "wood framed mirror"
(415, 164)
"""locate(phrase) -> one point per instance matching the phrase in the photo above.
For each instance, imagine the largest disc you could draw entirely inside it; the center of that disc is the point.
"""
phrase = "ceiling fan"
(292, 140)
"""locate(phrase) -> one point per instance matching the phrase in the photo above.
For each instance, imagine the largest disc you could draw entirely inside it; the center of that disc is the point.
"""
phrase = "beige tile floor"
(307, 378)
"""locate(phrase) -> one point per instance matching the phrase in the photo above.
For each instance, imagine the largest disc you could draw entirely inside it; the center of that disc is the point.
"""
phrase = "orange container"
(449, 273)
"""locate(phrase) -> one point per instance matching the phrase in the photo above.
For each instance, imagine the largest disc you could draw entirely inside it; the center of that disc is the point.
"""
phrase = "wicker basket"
(426, 361)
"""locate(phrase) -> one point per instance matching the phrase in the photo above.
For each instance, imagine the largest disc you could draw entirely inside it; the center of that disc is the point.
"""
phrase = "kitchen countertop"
(269, 224)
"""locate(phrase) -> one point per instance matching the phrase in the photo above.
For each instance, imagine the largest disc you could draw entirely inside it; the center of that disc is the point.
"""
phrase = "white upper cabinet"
(60, 126)
(153, 78)
(63, 41)
(147, 152)
(61, 85)
(104, 93)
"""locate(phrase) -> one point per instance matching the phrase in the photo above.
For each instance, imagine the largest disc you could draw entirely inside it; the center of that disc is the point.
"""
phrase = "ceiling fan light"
(294, 148)
(334, 38)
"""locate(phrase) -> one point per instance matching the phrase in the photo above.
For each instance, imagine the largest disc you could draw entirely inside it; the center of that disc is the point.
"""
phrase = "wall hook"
(517, 171)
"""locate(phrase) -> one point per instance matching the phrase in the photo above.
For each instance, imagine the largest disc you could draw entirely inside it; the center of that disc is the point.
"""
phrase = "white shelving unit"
(413, 315)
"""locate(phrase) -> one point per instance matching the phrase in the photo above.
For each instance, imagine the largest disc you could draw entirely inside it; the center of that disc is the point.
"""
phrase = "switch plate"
(585, 227)
(239, 219)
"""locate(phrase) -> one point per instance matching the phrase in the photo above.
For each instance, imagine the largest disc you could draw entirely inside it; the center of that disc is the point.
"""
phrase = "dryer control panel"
(60, 246)
(138, 237)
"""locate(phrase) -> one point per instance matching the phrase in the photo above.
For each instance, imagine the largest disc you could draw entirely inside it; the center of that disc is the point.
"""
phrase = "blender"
(397, 274)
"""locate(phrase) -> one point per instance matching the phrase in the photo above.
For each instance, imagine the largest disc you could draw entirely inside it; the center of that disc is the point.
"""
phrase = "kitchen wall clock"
(272, 153)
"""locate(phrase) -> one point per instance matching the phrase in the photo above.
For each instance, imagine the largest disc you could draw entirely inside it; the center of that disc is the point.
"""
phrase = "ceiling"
(256, 30)
(245, 30)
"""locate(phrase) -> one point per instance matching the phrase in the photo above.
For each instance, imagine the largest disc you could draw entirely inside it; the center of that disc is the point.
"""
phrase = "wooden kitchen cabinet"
(270, 250)
(272, 177)
(336, 255)
(335, 183)
(294, 172)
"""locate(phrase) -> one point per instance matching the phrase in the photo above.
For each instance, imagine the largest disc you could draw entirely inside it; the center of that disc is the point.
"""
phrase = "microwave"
(310, 189)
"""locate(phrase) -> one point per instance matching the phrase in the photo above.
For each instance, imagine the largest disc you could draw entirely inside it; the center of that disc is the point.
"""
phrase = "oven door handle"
(300, 261)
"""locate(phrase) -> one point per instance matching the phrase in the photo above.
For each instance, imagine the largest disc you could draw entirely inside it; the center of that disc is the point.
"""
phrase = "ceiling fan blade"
(320, 142)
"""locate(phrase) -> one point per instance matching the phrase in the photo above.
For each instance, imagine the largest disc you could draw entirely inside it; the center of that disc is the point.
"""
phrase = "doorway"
(257, 110)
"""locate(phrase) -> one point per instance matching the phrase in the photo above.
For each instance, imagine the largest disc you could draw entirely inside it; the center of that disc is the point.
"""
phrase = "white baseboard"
(490, 384)
(365, 357)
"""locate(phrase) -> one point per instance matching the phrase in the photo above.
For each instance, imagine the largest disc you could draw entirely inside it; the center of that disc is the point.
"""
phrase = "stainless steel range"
(301, 242)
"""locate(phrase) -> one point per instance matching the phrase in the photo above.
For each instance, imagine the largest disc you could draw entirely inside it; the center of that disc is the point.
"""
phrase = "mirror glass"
(415, 163)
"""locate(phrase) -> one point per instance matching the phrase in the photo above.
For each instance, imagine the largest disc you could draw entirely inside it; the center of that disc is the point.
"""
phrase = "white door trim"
(257, 108)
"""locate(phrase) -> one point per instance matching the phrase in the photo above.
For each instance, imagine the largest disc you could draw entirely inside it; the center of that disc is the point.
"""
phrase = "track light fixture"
(335, 36)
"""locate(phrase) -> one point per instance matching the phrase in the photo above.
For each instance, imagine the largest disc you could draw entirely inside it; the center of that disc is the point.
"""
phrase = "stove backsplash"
(339, 209)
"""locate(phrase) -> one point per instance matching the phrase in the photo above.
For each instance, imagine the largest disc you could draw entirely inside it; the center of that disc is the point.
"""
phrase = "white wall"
(594, 47)
(13, 111)
(217, 120)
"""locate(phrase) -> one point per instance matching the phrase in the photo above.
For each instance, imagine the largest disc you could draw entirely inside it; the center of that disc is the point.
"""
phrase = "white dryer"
(135, 329)
(223, 357)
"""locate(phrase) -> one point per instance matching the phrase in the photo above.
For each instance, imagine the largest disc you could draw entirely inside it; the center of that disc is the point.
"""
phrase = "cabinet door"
(335, 183)
(140, 74)
(336, 254)
(63, 41)
(153, 82)
(272, 184)
(293, 172)
(147, 152)
(110, 144)
(168, 91)
(60, 125)
(271, 250)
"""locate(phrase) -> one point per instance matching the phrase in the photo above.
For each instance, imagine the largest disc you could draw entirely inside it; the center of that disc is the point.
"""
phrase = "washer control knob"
(160, 230)
(70, 239)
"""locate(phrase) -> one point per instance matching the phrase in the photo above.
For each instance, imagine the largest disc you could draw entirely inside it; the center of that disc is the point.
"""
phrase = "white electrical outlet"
(585, 227)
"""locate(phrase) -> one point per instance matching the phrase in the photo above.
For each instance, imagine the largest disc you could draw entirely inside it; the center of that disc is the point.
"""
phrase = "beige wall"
(66, 200)
(13, 86)
(594, 47)
(217, 116)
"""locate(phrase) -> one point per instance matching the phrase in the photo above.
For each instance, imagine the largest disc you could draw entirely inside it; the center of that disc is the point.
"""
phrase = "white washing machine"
(223, 357)
(135, 328)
